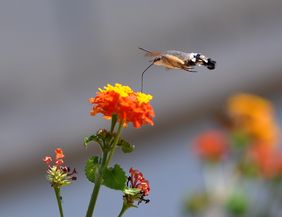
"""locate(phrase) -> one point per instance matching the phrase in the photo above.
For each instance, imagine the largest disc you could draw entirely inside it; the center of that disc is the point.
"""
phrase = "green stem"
(105, 162)
(123, 209)
(114, 121)
(59, 201)
(96, 188)
(114, 146)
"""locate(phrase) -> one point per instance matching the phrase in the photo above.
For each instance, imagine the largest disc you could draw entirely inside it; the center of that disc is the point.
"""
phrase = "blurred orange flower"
(211, 145)
(269, 162)
(128, 105)
(254, 116)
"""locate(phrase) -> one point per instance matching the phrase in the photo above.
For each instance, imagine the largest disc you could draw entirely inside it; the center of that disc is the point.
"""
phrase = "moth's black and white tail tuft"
(210, 64)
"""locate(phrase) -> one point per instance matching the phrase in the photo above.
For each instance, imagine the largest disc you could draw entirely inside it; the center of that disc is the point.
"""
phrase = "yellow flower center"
(144, 98)
(123, 91)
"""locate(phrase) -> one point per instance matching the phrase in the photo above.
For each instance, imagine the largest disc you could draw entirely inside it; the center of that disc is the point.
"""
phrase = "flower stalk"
(123, 209)
(107, 156)
(59, 200)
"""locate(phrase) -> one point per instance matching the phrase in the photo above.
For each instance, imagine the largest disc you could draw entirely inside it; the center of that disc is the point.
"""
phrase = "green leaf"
(126, 147)
(92, 168)
(92, 138)
(102, 137)
(114, 178)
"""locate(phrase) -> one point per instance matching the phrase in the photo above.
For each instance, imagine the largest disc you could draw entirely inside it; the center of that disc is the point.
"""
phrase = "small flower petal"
(47, 159)
(59, 162)
(59, 153)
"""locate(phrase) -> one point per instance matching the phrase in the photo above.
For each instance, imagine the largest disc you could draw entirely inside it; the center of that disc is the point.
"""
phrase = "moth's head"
(157, 60)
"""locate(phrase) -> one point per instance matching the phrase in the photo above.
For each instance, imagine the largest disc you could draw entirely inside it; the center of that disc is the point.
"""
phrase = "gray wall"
(55, 54)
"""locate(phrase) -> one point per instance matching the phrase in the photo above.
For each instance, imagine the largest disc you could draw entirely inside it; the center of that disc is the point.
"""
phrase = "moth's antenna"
(145, 50)
(142, 77)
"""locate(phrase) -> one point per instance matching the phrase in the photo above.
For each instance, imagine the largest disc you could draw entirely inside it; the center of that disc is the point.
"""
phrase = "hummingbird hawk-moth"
(173, 59)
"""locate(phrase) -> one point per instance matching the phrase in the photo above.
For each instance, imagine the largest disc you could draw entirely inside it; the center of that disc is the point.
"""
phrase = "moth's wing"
(176, 62)
(149, 53)
(153, 54)
(172, 61)
(181, 55)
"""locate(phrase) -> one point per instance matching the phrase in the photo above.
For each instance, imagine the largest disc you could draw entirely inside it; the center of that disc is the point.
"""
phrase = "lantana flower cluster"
(267, 161)
(254, 116)
(129, 106)
(57, 174)
(136, 181)
(243, 148)
(253, 126)
(212, 145)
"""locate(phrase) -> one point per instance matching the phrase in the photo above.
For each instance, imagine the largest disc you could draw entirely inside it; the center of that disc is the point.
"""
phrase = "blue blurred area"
(54, 56)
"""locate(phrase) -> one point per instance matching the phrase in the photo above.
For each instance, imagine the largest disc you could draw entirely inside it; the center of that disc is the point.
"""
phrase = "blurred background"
(55, 54)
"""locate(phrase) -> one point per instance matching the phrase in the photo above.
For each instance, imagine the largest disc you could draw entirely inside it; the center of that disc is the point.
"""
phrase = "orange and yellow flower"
(254, 116)
(129, 106)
